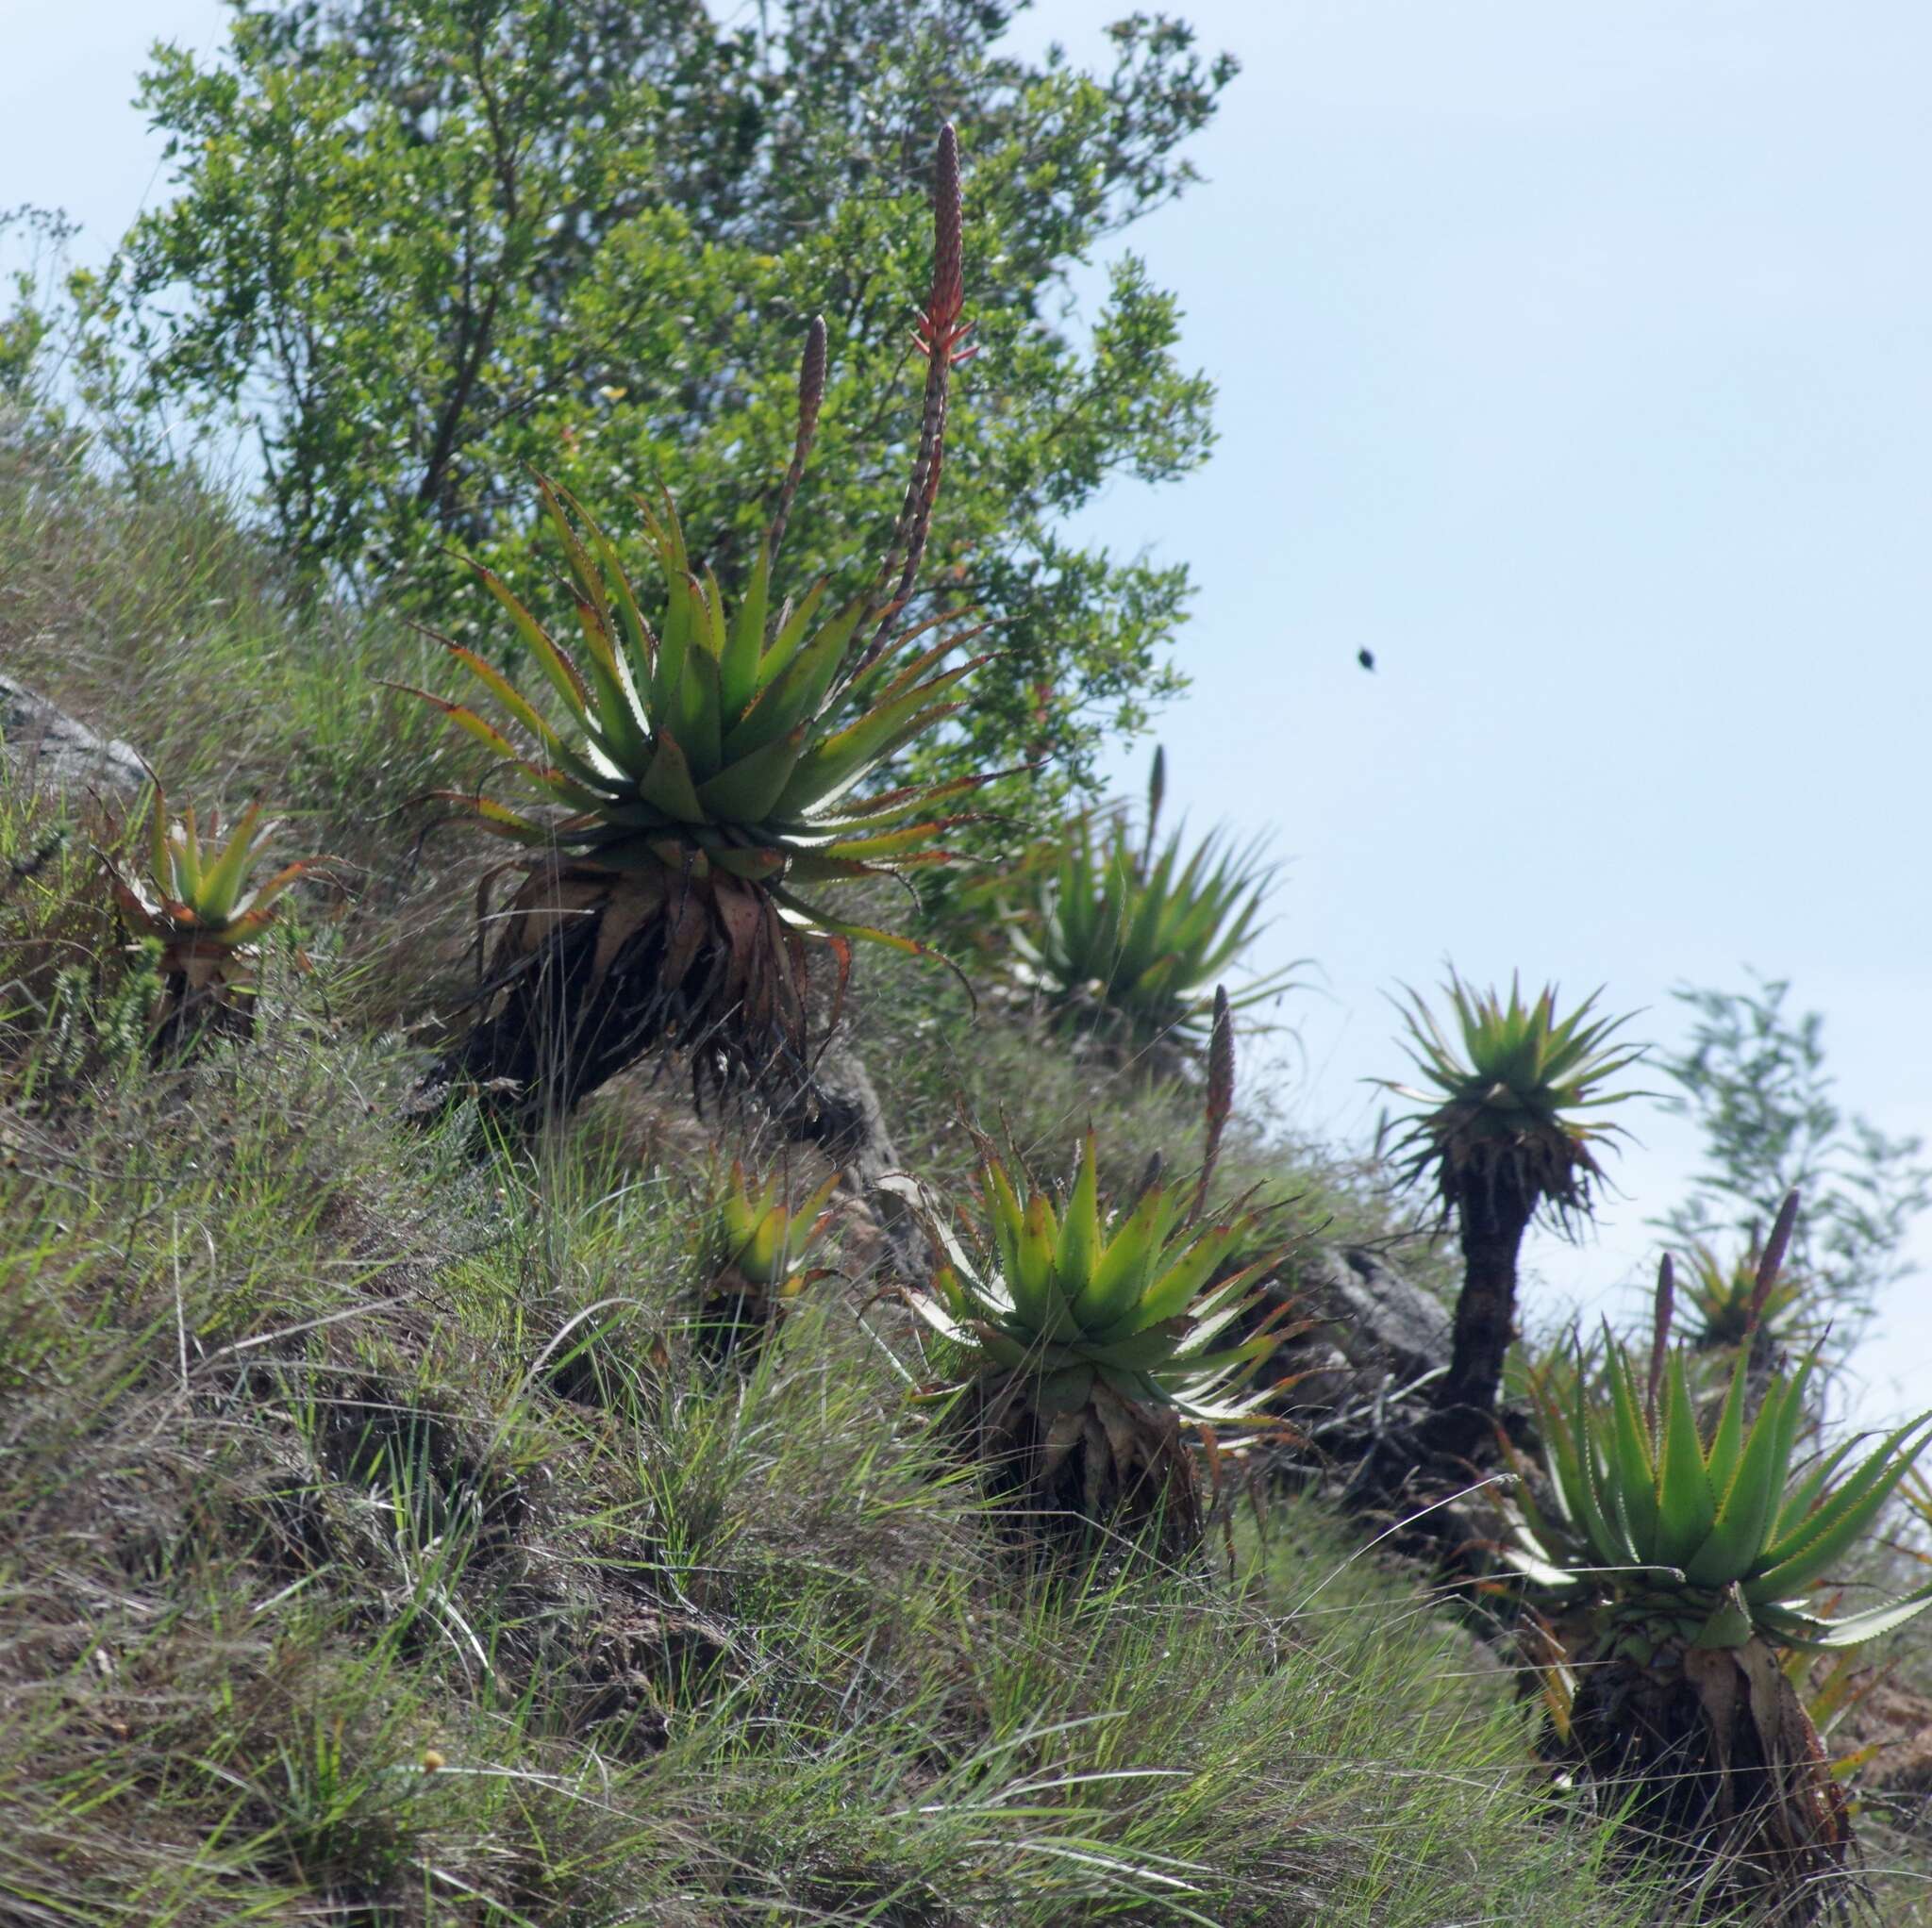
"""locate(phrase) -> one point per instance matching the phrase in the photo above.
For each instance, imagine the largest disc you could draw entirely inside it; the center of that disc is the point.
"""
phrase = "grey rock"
(1370, 1333)
(1378, 1317)
(42, 745)
(851, 1129)
(1314, 1378)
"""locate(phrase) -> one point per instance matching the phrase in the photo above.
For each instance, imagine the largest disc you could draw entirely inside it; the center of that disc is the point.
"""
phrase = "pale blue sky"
(1577, 360)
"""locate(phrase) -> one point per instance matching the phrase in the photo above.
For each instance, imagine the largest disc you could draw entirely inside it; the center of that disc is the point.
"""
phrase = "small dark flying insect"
(1366, 657)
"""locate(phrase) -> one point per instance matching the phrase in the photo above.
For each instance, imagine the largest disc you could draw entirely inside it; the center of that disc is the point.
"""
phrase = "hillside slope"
(376, 1548)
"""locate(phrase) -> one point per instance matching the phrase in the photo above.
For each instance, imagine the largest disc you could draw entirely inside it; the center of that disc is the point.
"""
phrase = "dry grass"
(373, 1549)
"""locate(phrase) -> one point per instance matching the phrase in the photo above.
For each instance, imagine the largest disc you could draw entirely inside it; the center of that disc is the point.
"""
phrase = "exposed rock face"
(41, 744)
(1373, 1331)
(1381, 1319)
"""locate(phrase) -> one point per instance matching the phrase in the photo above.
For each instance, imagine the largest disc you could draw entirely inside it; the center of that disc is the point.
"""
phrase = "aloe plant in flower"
(759, 1246)
(1724, 1296)
(1506, 1126)
(1697, 1551)
(200, 900)
(710, 763)
(1087, 1339)
(1130, 940)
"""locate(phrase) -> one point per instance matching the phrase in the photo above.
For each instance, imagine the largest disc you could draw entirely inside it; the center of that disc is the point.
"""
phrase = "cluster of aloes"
(709, 770)
(1692, 1551)
(702, 771)
(1131, 940)
(758, 1251)
(199, 900)
(1503, 1128)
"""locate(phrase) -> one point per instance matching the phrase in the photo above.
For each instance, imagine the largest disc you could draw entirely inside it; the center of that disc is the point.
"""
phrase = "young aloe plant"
(759, 1248)
(1698, 1550)
(1133, 943)
(1087, 1339)
(709, 768)
(1724, 1296)
(1502, 1129)
(199, 899)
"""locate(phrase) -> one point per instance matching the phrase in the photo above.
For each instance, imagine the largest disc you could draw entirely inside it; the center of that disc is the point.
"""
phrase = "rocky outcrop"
(41, 744)
(1371, 1332)
(849, 1125)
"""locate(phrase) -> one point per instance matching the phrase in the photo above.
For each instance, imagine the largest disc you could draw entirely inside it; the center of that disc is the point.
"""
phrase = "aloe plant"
(1087, 1340)
(706, 771)
(759, 1246)
(1723, 1294)
(200, 901)
(1505, 1126)
(1131, 937)
(1694, 1551)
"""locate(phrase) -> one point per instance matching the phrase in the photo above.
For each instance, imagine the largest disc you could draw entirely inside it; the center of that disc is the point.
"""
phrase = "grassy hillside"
(377, 1551)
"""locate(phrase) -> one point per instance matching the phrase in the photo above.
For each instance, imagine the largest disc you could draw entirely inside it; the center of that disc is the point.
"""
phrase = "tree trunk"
(1492, 1212)
(1712, 1758)
(597, 970)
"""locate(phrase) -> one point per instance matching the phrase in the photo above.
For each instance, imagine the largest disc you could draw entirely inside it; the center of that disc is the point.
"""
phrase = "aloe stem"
(1493, 1212)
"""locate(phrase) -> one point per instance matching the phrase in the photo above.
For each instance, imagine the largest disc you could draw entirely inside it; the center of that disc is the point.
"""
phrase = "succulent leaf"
(1708, 1540)
(1130, 1296)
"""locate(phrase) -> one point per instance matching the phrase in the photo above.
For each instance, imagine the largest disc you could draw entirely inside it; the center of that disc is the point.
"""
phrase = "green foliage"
(1709, 1536)
(1081, 1343)
(733, 739)
(201, 909)
(756, 1257)
(1753, 1077)
(1134, 942)
(203, 895)
(415, 248)
(762, 1236)
(1136, 1303)
(1721, 1293)
(1510, 1093)
(32, 322)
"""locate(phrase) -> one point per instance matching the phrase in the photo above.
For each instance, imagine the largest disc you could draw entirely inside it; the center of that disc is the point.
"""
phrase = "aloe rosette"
(1087, 1340)
(760, 1246)
(1507, 1099)
(1709, 1536)
(199, 899)
(1133, 939)
(1695, 1554)
(1722, 1294)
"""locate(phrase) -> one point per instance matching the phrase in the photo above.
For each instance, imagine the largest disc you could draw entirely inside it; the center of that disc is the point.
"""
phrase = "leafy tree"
(32, 244)
(418, 245)
(1753, 1076)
